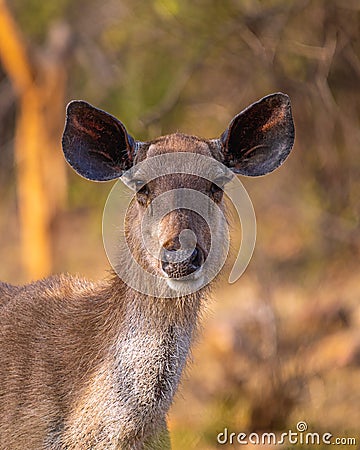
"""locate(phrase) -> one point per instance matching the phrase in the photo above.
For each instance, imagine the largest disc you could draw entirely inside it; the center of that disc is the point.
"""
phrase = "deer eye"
(215, 188)
(216, 192)
(143, 192)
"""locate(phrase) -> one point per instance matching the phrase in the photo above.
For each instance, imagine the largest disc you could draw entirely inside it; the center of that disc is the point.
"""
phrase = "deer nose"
(180, 262)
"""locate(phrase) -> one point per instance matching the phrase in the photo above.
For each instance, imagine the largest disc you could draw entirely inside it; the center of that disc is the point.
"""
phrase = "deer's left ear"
(259, 139)
(95, 143)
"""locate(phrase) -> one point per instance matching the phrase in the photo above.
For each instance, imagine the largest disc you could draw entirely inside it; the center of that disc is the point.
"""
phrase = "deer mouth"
(182, 263)
(183, 267)
(188, 284)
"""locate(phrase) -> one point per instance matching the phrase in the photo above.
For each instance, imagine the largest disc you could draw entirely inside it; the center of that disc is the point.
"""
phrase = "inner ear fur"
(259, 139)
(95, 143)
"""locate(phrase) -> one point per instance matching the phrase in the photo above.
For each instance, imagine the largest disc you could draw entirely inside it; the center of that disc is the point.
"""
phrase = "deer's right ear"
(260, 138)
(95, 143)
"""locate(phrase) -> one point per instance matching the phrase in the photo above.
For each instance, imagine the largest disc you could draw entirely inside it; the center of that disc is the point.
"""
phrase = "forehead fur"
(178, 142)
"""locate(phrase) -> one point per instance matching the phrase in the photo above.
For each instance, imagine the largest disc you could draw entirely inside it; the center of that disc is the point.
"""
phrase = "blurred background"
(283, 343)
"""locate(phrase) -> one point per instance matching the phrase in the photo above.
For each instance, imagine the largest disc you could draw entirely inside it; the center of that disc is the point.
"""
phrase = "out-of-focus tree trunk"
(32, 197)
(41, 178)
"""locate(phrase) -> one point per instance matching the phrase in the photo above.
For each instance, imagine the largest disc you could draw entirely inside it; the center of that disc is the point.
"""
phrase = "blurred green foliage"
(35, 17)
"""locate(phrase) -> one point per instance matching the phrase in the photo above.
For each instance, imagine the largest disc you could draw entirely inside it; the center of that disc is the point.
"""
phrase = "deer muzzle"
(179, 263)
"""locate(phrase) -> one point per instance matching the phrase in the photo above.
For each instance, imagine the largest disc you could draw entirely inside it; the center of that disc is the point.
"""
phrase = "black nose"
(177, 263)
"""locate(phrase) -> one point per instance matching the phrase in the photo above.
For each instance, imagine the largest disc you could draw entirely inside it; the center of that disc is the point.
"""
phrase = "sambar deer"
(96, 365)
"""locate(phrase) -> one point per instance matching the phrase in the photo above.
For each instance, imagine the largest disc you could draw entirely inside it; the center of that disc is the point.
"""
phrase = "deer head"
(98, 147)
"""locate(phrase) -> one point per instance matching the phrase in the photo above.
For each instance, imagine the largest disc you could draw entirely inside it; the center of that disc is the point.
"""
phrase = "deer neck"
(154, 342)
(149, 348)
(143, 344)
(148, 341)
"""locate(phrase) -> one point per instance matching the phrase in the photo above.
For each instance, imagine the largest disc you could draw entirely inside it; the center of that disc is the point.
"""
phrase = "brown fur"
(96, 365)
